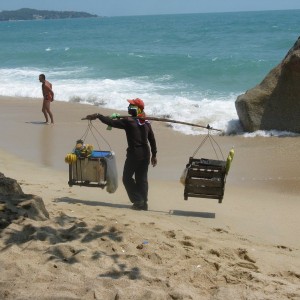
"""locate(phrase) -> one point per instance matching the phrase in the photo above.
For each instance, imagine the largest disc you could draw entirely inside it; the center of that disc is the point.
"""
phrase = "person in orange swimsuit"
(48, 96)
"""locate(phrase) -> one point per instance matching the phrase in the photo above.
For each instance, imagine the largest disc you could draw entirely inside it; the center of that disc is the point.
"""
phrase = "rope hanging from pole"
(212, 142)
(90, 129)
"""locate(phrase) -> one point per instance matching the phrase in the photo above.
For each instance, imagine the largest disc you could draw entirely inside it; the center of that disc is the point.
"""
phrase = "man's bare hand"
(153, 161)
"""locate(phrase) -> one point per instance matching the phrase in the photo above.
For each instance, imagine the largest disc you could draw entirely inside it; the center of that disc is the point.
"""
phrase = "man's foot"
(139, 206)
(134, 207)
(145, 206)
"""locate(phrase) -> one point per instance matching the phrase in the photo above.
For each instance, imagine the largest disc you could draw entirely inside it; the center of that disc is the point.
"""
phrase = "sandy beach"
(93, 246)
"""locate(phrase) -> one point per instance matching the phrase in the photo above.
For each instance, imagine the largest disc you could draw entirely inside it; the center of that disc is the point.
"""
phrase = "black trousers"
(135, 179)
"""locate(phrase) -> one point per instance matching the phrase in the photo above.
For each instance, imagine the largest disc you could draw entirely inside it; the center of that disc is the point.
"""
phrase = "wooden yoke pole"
(174, 121)
(168, 121)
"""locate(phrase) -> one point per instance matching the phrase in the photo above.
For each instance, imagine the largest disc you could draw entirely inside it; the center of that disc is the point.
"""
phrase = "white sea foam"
(217, 111)
(270, 133)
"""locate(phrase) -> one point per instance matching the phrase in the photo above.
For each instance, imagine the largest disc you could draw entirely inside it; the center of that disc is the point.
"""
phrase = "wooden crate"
(205, 179)
(88, 172)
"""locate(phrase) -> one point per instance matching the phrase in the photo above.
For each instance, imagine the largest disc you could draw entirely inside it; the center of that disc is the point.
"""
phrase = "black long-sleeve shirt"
(137, 136)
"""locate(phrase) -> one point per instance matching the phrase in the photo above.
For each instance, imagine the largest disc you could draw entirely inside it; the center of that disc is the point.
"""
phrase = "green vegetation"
(34, 14)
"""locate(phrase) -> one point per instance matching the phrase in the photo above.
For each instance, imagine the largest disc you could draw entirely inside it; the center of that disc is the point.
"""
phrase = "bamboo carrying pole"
(178, 122)
(208, 127)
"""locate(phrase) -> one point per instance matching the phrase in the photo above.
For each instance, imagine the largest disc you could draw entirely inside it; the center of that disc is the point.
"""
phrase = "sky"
(150, 7)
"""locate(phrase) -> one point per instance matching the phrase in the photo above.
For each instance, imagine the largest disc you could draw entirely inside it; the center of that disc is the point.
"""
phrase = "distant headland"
(34, 14)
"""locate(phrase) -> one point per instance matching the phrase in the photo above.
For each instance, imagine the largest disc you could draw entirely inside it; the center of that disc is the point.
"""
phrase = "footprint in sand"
(154, 258)
(243, 254)
(214, 252)
(284, 247)
(293, 274)
(247, 265)
(187, 243)
(170, 234)
(220, 230)
(63, 253)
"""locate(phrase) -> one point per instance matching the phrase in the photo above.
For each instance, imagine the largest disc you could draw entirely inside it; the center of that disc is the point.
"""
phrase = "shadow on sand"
(195, 214)
(36, 122)
(90, 203)
(181, 213)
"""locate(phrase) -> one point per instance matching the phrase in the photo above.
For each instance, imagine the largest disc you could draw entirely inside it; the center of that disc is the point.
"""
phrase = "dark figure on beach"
(48, 97)
(138, 132)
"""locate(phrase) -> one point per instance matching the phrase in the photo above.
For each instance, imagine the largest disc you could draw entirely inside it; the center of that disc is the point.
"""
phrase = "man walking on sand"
(48, 96)
(139, 135)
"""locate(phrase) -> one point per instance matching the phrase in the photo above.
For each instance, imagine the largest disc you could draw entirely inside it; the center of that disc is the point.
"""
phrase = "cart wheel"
(185, 197)
(220, 200)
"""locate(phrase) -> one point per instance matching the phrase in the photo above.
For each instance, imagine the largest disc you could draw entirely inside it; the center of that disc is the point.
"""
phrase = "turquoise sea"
(188, 67)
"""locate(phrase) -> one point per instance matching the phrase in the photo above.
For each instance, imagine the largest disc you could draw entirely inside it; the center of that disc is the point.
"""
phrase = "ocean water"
(186, 67)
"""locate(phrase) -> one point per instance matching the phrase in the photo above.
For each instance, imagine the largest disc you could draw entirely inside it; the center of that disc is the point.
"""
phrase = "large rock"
(275, 102)
(14, 204)
(9, 186)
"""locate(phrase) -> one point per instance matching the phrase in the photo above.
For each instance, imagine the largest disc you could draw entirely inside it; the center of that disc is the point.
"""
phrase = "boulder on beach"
(274, 104)
(15, 204)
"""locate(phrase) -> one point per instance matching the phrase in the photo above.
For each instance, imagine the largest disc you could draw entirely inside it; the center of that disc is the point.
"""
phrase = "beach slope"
(93, 246)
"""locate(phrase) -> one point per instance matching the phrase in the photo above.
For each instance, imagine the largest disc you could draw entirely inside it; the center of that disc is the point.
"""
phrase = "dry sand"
(94, 247)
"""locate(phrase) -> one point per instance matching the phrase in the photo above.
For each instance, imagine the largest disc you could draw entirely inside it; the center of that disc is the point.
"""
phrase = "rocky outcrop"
(9, 187)
(14, 204)
(275, 102)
